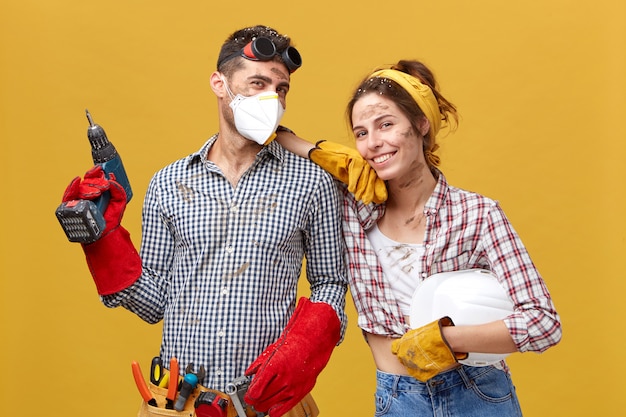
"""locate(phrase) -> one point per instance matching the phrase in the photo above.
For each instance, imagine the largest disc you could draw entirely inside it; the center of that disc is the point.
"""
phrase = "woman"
(395, 116)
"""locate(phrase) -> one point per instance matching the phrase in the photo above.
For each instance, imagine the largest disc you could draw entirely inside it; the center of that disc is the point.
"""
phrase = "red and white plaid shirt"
(464, 230)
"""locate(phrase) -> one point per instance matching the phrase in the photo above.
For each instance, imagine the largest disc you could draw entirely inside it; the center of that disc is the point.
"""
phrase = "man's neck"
(233, 154)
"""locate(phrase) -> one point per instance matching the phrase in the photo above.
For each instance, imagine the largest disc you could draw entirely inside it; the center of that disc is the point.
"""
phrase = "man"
(224, 234)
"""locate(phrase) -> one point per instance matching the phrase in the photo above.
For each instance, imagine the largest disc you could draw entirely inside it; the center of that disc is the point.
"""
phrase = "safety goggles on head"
(264, 49)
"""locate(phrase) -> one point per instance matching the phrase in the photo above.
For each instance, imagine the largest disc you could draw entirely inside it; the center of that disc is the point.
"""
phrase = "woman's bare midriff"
(383, 358)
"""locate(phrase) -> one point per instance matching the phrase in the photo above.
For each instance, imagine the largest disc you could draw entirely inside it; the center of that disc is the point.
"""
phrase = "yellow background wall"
(541, 88)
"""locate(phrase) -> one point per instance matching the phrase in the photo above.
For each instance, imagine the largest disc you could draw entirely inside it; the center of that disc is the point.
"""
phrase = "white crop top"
(401, 266)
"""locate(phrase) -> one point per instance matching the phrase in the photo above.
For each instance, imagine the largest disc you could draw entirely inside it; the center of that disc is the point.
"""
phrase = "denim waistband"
(446, 380)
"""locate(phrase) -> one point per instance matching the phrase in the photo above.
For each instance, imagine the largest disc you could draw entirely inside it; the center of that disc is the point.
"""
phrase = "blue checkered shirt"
(221, 264)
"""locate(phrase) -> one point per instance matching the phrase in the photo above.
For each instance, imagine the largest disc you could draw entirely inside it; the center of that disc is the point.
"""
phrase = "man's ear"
(217, 84)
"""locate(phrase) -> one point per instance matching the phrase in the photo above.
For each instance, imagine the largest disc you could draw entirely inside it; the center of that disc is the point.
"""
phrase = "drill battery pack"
(81, 220)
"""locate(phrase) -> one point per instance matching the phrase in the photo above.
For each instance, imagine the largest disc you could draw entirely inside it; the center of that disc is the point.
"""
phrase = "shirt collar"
(272, 149)
(437, 198)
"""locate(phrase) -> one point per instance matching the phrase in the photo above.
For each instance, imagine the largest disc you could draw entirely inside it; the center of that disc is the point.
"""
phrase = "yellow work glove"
(349, 167)
(424, 351)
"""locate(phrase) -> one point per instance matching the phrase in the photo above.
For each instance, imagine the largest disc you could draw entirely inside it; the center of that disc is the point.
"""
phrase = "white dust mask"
(256, 117)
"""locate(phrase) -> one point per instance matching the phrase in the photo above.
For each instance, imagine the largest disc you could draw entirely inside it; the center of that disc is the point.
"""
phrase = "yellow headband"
(421, 93)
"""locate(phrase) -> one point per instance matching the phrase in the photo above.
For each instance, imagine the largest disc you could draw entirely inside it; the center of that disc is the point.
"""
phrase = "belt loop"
(394, 385)
(466, 379)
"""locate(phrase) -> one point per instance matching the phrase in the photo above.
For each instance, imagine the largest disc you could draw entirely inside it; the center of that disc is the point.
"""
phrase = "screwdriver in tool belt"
(142, 386)
(156, 370)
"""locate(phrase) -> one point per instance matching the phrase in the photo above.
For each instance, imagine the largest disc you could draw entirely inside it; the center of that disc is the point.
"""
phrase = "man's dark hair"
(240, 38)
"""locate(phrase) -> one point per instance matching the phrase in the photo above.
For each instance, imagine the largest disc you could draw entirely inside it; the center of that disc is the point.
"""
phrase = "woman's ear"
(424, 126)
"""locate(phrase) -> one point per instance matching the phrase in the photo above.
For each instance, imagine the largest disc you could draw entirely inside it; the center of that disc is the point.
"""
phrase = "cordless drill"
(83, 220)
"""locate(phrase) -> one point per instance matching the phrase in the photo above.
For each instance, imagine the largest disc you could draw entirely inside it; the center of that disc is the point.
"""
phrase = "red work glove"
(287, 370)
(113, 260)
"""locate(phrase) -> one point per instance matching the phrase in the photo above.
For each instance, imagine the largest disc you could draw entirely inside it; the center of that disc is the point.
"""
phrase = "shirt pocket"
(449, 254)
(456, 263)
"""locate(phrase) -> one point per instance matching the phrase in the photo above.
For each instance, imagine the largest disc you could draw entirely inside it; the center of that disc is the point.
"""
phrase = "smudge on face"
(371, 110)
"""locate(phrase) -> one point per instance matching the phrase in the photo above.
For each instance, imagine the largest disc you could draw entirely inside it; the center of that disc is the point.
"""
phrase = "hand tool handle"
(174, 373)
(141, 384)
(156, 370)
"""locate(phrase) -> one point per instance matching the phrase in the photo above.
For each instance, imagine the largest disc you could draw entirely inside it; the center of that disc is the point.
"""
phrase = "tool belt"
(305, 408)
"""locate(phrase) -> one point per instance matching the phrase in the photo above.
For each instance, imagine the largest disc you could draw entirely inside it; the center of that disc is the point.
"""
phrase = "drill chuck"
(102, 150)
(104, 153)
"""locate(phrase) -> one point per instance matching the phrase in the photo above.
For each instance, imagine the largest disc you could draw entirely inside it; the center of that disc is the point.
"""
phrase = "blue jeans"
(464, 391)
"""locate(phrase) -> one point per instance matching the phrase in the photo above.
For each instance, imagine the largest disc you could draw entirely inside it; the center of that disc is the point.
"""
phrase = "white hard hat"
(472, 296)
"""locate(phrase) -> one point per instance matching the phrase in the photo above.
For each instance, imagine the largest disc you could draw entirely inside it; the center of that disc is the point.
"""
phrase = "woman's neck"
(411, 192)
(404, 219)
